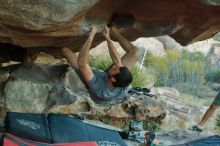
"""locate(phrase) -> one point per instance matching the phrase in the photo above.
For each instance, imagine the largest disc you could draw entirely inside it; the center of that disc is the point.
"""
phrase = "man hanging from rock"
(112, 83)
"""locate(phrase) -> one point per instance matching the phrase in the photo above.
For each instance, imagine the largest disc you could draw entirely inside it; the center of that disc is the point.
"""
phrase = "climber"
(114, 82)
(214, 106)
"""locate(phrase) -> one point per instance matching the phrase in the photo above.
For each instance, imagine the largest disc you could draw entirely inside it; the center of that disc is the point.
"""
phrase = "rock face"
(202, 46)
(180, 136)
(60, 23)
(58, 89)
(169, 43)
(182, 115)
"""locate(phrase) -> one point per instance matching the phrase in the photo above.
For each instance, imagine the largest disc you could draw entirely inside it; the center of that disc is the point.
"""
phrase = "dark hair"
(123, 78)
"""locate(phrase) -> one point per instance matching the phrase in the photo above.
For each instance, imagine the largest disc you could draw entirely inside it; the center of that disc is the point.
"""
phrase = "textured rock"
(56, 88)
(43, 58)
(151, 45)
(71, 80)
(139, 107)
(202, 46)
(101, 50)
(5, 73)
(23, 96)
(169, 43)
(180, 136)
(61, 23)
(182, 115)
(166, 92)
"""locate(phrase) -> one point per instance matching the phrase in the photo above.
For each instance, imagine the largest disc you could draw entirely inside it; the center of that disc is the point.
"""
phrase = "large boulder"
(183, 116)
(150, 45)
(169, 43)
(57, 88)
(60, 23)
(202, 46)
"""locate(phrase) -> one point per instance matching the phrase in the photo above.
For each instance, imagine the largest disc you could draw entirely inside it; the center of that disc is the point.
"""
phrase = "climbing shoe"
(196, 128)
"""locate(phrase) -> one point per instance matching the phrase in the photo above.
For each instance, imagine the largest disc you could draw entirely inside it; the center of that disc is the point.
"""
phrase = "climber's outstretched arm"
(132, 53)
(112, 49)
(82, 61)
(70, 57)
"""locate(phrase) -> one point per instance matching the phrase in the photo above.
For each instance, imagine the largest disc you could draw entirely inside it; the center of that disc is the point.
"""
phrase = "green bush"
(139, 78)
(218, 121)
(194, 56)
(151, 126)
(206, 92)
(100, 63)
(178, 68)
(213, 76)
(161, 69)
(217, 37)
(214, 86)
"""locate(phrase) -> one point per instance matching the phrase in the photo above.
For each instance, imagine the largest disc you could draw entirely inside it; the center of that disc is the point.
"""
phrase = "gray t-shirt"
(100, 89)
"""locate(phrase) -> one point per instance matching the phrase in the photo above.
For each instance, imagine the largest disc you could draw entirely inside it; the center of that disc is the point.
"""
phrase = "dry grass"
(194, 101)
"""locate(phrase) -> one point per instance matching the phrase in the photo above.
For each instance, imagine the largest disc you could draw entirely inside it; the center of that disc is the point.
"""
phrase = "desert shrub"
(100, 63)
(139, 78)
(180, 68)
(194, 56)
(218, 121)
(206, 92)
(213, 76)
(217, 37)
(214, 86)
(160, 68)
(151, 125)
(194, 101)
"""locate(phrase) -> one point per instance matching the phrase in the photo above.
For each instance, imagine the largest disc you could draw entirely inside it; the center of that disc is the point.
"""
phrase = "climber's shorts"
(217, 100)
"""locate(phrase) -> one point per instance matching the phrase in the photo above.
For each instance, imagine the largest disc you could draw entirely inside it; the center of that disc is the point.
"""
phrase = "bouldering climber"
(114, 82)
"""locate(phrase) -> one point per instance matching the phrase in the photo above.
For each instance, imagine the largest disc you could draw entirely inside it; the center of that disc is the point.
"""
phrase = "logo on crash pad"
(29, 124)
